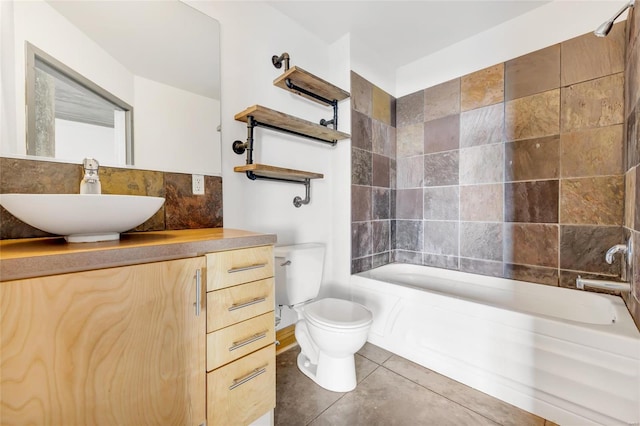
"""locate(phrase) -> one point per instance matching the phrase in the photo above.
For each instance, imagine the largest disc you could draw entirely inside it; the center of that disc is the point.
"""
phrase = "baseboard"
(287, 339)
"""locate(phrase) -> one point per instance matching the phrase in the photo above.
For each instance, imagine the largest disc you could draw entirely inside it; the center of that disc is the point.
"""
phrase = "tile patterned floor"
(391, 391)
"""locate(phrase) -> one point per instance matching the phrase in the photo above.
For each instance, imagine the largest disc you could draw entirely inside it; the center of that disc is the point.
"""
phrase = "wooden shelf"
(277, 172)
(311, 83)
(270, 117)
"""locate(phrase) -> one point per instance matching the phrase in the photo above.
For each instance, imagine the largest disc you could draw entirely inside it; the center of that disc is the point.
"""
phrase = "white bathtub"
(569, 356)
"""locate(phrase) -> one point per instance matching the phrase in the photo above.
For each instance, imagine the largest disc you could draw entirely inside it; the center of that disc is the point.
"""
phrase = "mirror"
(160, 58)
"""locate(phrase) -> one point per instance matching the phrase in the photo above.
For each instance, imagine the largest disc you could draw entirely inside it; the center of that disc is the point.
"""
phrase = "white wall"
(83, 140)
(175, 130)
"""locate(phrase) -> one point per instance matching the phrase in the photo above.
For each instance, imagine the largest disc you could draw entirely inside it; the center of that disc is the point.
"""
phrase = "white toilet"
(329, 331)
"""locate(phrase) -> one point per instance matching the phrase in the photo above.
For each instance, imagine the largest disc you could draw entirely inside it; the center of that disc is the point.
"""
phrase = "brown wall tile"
(440, 261)
(482, 88)
(630, 203)
(482, 126)
(531, 244)
(410, 172)
(383, 139)
(361, 167)
(441, 169)
(531, 202)
(532, 159)
(533, 116)
(410, 109)
(481, 240)
(633, 137)
(595, 103)
(441, 203)
(568, 280)
(183, 210)
(408, 235)
(441, 238)
(361, 239)
(592, 201)
(361, 264)
(482, 267)
(482, 164)
(442, 100)
(587, 57)
(361, 95)
(583, 248)
(409, 204)
(442, 134)
(361, 129)
(533, 73)
(533, 274)
(410, 257)
(40, 177)
(381, 105)
(592, 152)
(410, 140)
(381, 203)
(381, 171)
(381, 230)
(481, 203)
(637, 221)
(360, 203)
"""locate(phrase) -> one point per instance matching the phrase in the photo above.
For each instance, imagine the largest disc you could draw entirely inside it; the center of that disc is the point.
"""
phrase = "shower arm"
(603, 30)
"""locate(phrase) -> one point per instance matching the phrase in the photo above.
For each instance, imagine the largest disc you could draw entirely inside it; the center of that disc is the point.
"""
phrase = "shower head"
(604, 29)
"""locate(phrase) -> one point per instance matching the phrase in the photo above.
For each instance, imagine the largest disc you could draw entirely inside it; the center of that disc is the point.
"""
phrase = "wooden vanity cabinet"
(118, 346)
(240, 336)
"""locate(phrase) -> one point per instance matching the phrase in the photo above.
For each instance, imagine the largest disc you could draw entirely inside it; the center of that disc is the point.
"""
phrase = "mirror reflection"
(154, 62)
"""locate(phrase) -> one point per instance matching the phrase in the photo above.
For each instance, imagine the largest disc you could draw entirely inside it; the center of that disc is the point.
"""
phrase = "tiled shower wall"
(516, 170)
(632, 176)
(181, 209)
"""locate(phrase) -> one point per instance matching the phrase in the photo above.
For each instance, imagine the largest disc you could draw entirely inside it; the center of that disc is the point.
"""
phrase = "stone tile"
(411, 257)
(535, 202)
(594, 103)
(489, 407)
(381, 171)
(442, 134)
(482, 88)
(442, 100)
(482, 267)
(380, 259)
(533, 116)
(632, 73)
(381, 236)
(375, 353)
(592, 201)
(583, 248)
(482, 164)
(592, 152)
(410, 140)
(441, 169)
(183, 210)
(298, 399)
(361, 203)
(635, 268)
(482, 203)
(441, 203)
(408, 235)
(587, 57)
(361, 94)
(385, 398)
(533, 73)
(568, 280)
(633, 137)
(630, 203)
(393, 173)
(440, 261)
(481, 240)
(409, 203)
(40, 177)
(381, 203)
(532, 159)
(532, 274)
(637, 221)
(381, 109)
(482, 126)
(410, 109)
(361, 239)
(361, 264)
(531, 244)
(383, 139)
(361, 130)
(361, 167)
(410, 172)
(441, 237)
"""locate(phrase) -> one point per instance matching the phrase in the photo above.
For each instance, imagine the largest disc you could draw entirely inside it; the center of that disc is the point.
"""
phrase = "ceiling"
(402, 31)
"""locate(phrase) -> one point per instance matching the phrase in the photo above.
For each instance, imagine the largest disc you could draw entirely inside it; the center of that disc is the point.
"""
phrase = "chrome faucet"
(90, 184)
(618, 248)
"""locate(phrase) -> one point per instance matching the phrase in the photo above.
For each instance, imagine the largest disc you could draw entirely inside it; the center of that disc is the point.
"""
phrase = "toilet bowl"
(329, 331)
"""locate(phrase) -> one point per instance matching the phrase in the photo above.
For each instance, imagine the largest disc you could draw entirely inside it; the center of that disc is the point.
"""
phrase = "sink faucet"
(90, 184)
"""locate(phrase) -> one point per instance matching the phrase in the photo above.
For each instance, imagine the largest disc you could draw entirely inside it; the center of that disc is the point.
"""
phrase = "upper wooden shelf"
(290, 123)
(311, 83)
(277, 172)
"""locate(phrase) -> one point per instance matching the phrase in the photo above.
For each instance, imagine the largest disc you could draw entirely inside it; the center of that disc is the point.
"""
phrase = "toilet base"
(334, 374)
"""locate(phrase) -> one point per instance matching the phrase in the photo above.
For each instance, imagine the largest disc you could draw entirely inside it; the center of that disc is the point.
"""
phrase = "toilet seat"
(337, 314)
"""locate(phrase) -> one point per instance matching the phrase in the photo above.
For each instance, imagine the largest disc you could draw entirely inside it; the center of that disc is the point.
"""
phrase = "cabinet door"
(114, 346)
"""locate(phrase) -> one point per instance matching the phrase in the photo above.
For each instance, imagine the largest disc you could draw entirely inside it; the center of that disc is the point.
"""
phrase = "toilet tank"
(298, 272)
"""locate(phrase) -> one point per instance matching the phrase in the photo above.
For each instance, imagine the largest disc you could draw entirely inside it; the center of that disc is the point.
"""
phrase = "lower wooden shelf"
(277, 172)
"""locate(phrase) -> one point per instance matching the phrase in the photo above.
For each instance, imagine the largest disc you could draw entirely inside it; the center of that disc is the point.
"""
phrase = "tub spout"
(581, 283)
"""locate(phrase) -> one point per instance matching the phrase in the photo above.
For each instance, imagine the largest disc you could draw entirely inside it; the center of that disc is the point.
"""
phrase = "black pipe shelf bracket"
(308, 86)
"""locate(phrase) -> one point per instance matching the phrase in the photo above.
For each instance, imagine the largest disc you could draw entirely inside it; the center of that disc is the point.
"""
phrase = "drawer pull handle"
(244, 305)
(246, 268)
(241, 381)
(249, 340)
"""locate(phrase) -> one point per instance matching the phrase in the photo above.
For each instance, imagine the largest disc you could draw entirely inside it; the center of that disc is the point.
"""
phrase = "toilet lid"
(338, 313)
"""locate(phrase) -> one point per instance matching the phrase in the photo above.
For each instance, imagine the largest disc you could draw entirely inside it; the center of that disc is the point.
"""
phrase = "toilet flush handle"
(287, 263)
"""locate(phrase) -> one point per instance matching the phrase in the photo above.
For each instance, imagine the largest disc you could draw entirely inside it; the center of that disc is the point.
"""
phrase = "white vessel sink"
(82, 217)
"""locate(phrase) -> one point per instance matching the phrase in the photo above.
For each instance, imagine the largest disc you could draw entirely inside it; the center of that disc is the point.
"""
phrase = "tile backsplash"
(181, 209)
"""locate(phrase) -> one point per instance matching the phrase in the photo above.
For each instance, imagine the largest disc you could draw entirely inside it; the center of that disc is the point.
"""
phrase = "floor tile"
(374, 353)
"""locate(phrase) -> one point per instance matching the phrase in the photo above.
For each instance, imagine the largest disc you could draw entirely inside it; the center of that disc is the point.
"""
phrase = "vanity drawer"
(238, 303)
(244, 390)
(238, 340)
(229, 268)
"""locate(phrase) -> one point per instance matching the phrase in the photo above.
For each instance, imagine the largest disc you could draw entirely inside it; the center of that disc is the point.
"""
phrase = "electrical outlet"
(197, 184)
